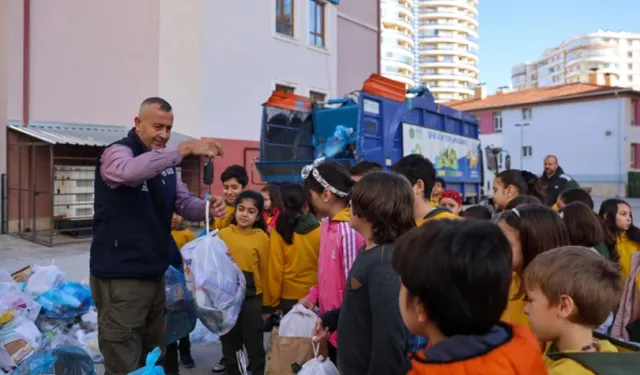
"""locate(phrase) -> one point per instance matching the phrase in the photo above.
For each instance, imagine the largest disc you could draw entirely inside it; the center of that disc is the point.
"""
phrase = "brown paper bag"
(285, 352)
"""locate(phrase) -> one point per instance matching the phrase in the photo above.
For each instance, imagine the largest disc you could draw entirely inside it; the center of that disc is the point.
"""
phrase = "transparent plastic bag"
(7, 284)
(299, 322)
(23, 304)
(216, 283)
(337, 145)
(66, 360)
(67, 300)
(19, 339)
(202, 335)
(180, 318)
(42, 279)
(89, 343)
(150, 368)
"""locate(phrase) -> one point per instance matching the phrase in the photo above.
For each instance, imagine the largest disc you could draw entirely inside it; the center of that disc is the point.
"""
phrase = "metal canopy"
(56, 133)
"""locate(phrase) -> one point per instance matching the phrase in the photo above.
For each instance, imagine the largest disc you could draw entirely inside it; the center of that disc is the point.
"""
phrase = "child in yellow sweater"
(623, 238)
(248, 245)
(570, 292)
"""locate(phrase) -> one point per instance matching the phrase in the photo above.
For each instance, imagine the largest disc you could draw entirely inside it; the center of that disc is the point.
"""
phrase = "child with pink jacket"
(329, 184)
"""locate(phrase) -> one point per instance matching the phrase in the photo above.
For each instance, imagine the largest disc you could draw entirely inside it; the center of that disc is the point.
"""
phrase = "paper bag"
(286, 353)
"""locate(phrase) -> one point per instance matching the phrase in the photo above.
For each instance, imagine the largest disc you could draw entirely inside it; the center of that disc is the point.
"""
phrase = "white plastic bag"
(215, 281)
(319, 365)
(18, 340)
(42, 279)
(299, 322)
(89, 343)
(202, 335)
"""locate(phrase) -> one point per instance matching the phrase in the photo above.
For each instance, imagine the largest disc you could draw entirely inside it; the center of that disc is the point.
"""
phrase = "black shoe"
(187, 361)
(219, 369)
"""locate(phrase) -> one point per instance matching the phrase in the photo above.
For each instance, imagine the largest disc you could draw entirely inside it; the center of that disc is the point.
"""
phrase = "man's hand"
(201, 147)
(218, 208)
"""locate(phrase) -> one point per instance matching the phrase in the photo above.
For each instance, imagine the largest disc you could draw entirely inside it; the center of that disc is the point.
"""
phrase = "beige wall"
(91, 62)
(358, 43)
(4, 51)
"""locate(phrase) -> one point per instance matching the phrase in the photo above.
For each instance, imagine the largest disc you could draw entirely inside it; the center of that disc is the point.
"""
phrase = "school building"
(78, 70)
(593, 128)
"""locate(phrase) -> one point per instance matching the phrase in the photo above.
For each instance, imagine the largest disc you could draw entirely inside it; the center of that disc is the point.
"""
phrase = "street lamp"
(522, 126)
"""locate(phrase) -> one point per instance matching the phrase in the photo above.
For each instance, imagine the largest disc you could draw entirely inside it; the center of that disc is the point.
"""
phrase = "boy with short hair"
(570, 291)
(422, 176)
(360, 169)
(234, 180)
(372, 338)
(455, 285)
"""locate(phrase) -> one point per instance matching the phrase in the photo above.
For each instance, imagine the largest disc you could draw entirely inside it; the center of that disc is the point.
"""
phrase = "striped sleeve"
(349, 247)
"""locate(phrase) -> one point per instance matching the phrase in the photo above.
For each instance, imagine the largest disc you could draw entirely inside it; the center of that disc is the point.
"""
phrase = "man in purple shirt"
(136, 193)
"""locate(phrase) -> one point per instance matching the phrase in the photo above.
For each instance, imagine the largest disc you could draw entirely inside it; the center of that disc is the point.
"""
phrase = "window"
(527, 151)
(635, 116)
(284, 17)
(630, 55)
(632, 156)
(316, 23)
(526, 113)
(497, 122)
(316, 96)
(285, 89)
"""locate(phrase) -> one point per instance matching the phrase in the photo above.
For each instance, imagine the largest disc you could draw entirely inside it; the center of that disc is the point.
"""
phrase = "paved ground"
(73, 259)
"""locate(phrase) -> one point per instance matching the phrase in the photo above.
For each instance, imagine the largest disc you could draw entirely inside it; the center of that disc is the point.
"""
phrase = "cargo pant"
(247, 331)
(130, 321)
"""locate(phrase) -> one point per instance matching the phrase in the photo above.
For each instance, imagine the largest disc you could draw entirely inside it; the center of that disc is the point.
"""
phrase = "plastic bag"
(19, 339)
(336, 146)
(178, 297)
(202, 335)
(89, 343)
(215, 281)
(180, 318)
(319, 365)
(150, 368)
(42, 279)
(66, 360)
(22, 304)
(7, 284)
(67, 300)
(299, 322)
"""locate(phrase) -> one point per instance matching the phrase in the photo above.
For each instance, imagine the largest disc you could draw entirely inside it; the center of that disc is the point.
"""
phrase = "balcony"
(452, 25)
(451, 3)
(427, 63)
(447, 76)
(450, 37)
(432, 13)
(399, 6)
(450, 51)
(399, 35)
(389, 20)
(447, 88)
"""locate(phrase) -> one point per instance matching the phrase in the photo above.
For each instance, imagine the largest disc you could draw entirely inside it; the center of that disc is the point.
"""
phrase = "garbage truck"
(382, 122)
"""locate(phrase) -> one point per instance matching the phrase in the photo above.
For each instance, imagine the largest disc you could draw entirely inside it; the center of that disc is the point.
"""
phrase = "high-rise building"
(397, 49)
(431, 43)
(447, 47)
(612, 54)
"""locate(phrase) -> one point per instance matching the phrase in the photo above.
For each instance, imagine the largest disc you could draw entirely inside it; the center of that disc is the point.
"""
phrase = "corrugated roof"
(533, 96)
(80, 134)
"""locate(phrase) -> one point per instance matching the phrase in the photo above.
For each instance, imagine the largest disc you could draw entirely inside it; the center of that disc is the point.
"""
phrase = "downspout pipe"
(26, 61)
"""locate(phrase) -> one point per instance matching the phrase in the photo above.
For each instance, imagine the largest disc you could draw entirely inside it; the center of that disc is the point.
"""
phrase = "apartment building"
(432, 43)
(615, 53)
(593, 129)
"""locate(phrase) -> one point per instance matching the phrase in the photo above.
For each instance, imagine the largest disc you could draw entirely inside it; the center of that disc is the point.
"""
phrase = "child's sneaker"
(219, 369)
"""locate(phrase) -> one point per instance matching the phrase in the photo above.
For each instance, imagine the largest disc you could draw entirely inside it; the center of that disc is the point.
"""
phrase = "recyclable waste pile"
(46, 323)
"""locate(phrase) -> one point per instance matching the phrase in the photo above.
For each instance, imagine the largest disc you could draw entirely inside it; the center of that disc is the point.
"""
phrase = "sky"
(512, 32)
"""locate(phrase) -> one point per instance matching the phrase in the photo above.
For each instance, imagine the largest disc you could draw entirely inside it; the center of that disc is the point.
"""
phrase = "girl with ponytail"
(294, 248)
(514, 182)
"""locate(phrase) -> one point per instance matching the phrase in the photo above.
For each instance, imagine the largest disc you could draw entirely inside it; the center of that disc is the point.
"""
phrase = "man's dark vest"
(132, 225)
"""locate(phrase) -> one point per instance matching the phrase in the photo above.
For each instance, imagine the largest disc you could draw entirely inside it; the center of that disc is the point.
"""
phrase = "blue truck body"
(384, 128)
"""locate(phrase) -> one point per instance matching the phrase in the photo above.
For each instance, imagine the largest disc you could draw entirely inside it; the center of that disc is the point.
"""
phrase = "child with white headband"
(329, 185)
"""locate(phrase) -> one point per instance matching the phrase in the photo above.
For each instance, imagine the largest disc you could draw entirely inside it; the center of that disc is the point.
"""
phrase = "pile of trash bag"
(215, 281)
(45, 321)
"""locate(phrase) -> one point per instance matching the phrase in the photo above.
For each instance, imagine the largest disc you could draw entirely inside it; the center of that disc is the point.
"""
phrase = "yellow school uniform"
(566, 366)
(219, 223)
(514, 313)
(444, 215)
(249, 250)
(293, 268)
(182, 236)
(625, 248)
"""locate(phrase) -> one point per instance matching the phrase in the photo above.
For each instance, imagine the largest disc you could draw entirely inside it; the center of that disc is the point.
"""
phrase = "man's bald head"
(154, 122)
(550, 165)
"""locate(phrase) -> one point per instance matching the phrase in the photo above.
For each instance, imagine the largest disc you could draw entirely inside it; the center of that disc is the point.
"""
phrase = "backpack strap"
(436, 211)
(603, 363)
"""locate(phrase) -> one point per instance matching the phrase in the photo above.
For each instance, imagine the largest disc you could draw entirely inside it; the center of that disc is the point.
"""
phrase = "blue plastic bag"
(67, 360)
(150, 368)
(65, 301)
(180, 318)
(337, 145)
